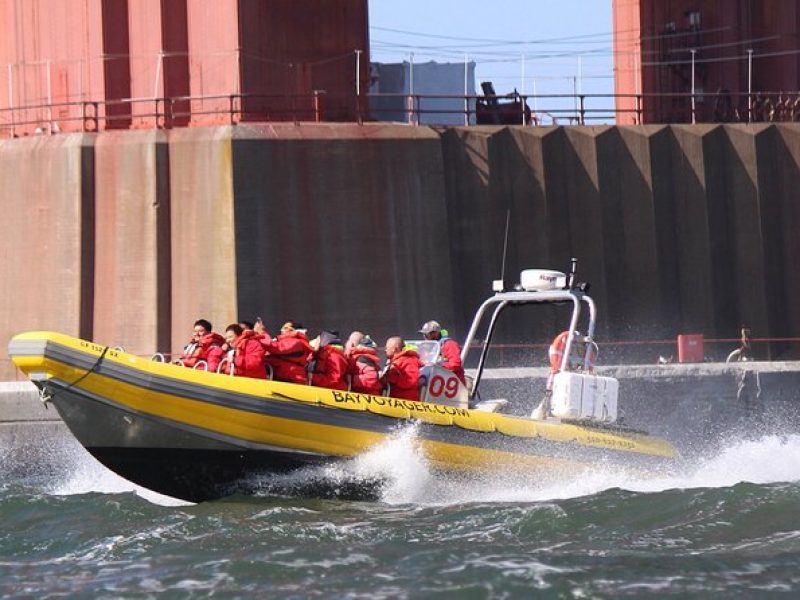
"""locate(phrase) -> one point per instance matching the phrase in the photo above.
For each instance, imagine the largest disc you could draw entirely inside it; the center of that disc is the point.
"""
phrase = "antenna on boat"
(572, 283)
(573, 270)
(498, 285)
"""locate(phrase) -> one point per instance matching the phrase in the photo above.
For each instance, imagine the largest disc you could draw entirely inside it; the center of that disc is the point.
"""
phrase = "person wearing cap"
(449, 349)
(201, 347)
(364, 364)
(330, 364)
(402, 372)
(288, 354)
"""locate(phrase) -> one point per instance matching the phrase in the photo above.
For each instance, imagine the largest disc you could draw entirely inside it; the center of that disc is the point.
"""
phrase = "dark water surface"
(727, 527)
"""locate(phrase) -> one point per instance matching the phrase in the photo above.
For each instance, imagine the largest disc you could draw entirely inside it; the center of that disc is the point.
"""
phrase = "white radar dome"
(542, 280)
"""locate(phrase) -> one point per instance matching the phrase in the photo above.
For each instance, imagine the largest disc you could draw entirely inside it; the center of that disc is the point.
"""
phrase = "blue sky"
(566, 44)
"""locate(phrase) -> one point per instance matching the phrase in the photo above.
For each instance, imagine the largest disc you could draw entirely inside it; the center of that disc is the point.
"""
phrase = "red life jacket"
(451, 351)
(288, 355)
(248, 357)
(330, 368)
(403, 375)
(365, 367)
(195, 351)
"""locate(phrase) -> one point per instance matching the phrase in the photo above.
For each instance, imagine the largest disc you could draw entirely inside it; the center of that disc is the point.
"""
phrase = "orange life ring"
(556, 352)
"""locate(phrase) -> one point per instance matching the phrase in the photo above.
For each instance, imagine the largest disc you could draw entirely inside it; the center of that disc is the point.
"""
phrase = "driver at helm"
(449, 349)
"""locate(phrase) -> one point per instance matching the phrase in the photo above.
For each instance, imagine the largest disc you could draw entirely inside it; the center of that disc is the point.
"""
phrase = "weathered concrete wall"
(47, 229)
(679, 229)
(129, 237)
(132, 242)
(340, 227)
(202, 224)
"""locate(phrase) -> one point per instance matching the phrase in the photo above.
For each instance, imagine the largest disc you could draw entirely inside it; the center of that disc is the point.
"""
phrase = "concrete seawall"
(127, 237)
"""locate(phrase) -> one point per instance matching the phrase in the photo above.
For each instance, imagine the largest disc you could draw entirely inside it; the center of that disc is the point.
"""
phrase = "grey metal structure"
(502, 300)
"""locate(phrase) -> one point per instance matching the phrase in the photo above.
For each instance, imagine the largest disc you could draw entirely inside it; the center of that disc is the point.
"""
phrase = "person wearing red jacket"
(364, 364)
(288, 354)
(201, 347)
(402, 372)
(330, 364)
(245, 354)
(449, 350)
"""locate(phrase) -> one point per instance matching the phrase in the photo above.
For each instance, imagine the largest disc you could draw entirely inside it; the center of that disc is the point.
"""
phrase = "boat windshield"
(428, 350)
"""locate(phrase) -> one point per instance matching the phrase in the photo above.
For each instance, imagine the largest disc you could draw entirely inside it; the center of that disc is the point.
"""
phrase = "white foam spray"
(407, 478)
(80, 473)
(399, 461)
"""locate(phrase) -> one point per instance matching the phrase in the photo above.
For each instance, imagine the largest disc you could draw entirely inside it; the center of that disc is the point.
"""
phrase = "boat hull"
(167, 458)
(199, 436)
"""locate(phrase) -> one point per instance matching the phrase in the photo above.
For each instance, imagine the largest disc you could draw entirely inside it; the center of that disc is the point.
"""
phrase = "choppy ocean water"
(726, 526)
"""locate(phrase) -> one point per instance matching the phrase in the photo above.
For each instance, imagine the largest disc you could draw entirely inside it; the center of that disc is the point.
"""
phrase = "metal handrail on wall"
(559, 109)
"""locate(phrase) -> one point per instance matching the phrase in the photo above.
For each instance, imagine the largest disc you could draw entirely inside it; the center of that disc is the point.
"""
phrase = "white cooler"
(580, 396)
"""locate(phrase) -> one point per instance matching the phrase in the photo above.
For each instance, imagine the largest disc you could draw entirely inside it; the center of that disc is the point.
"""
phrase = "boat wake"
(396, 473)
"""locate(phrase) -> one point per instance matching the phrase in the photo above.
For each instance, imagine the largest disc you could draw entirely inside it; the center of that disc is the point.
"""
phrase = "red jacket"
(288, 356)
(451, 352)
(403, 375)
(330, 368)
(203, 349)
(248, 357)
(364, 371)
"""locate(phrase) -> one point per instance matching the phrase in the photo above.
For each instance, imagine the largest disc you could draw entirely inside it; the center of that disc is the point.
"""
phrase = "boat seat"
(199, 364)
(270, 372)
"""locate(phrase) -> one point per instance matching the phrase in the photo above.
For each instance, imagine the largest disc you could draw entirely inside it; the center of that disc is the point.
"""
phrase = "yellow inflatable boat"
(194, 435)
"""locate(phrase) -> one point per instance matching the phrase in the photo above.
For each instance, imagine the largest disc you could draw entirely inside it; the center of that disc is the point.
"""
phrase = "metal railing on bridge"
(421, 109)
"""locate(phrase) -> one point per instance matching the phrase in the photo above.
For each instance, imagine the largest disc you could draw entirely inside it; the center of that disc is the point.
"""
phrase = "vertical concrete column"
(132, 287)
(661, 149)
(586, 222)
(745, 219)
(779, 176)
(719, 201)
(203, 254)
(48, 236)
(475, 240)
(625, 162)
(616, 245)
(519, 181)
(554, 154)
(692, 229)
